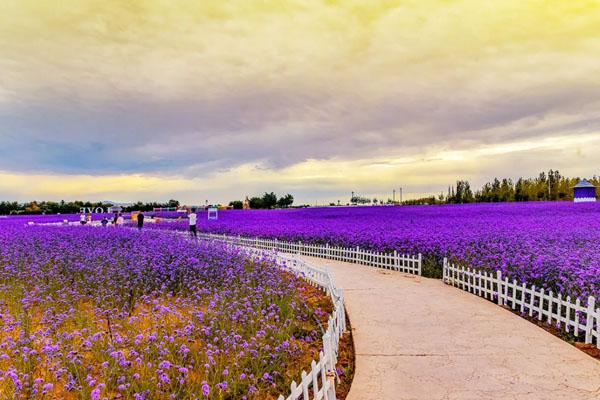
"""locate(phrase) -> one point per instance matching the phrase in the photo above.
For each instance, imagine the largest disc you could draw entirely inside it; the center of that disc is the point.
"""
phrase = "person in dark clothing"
(104, 221)
(115, 216)
(140, 220)
(192, 220)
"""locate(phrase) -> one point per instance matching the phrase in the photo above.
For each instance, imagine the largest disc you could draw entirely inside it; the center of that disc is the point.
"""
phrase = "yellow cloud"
(168, 49)
(445, 54)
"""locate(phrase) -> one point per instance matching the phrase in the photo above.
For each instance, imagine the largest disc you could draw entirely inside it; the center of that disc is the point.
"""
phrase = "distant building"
(584, 191)
(246, 205)
(115, 207)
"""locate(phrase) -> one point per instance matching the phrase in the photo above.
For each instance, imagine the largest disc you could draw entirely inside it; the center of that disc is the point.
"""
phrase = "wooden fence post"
(598, 328)
(500, 288)
(445, 271)
(589, 319)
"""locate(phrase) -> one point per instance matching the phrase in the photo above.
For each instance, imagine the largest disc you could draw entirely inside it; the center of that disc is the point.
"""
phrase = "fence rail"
(575, 317)
(394, 261)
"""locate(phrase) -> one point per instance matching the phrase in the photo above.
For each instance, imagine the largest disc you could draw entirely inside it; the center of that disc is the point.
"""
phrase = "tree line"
(266, 201)
(551, 186)
(63, 207)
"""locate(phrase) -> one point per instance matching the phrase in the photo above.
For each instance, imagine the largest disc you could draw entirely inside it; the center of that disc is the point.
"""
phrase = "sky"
(215, 100)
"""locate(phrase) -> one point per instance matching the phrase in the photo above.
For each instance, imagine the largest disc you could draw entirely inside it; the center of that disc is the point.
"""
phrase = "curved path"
(417, 338)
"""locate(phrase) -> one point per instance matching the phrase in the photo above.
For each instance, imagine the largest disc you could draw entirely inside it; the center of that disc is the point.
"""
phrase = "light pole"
(394, 196)
(400, 195)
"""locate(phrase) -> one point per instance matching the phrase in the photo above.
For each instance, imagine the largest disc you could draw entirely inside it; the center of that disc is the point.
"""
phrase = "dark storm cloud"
(279, 127)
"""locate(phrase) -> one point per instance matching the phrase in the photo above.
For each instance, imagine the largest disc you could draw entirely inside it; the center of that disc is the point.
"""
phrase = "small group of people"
(84, 219)
(118, 220)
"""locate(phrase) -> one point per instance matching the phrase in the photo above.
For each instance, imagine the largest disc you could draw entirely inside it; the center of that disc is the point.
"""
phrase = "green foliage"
(463, 193)
(256, 202)
(62, 207)
(269, 200)
(545, 187)
(236, 204)
(173, 203)
(285, 201)
(551, 186)
(360, 200)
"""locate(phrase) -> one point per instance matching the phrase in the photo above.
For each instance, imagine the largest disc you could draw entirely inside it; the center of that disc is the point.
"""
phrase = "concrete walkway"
(417, 338)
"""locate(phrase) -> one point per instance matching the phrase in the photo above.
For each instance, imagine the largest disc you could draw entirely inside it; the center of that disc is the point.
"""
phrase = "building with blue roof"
(584, 192)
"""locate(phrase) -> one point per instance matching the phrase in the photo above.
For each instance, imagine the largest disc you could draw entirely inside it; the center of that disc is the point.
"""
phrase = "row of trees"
(266, 201)
(63, 207)
(551, 186)
(366, 200)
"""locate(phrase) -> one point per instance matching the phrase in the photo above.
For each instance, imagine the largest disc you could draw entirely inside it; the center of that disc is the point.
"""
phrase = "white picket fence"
(411, 264)
(581, 320)
(319, 382)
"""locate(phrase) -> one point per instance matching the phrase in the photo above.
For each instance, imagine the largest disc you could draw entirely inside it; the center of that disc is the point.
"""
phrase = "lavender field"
(553, 245)
(95, 313)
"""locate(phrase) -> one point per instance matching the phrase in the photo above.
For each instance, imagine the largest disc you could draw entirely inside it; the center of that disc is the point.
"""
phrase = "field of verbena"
(101, 313)
(552, 245)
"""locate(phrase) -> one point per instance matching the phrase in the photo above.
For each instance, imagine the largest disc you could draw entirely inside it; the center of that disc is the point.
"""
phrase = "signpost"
(213, 213)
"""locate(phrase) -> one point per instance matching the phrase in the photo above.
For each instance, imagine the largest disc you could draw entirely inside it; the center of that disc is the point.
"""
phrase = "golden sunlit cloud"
(156, 99)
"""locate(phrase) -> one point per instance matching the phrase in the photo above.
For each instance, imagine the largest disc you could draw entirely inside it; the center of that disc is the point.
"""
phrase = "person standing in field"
(120, 220)
(140, 220)
(193, 218)
(82, 219)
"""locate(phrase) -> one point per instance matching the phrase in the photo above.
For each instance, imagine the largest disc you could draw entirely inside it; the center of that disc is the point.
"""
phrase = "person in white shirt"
(193, 219)
(82, 219)
(120, 220)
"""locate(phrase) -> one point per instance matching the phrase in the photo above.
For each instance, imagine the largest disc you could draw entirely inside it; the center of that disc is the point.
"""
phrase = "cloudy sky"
(214, 100)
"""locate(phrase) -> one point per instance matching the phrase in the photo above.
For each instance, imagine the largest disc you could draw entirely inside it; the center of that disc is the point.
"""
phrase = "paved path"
(417, 338)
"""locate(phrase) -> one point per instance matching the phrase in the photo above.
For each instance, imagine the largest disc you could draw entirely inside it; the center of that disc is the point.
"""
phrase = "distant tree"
(256, 202)
(285, 201)
(33, 207)
(360, 200)
(269, 200)
(520, 193)
(236, 204)
(173, 203)
(420, 201)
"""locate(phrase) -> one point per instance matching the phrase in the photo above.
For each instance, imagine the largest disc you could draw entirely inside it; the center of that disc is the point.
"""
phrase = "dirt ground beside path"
(417, 338)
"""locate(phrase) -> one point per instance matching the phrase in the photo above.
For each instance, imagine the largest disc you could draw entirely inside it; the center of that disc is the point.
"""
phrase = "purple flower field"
(106, 313)
(554, 245)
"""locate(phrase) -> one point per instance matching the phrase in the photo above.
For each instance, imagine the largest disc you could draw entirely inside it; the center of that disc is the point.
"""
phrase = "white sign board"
(90, 210)
(213, 213)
